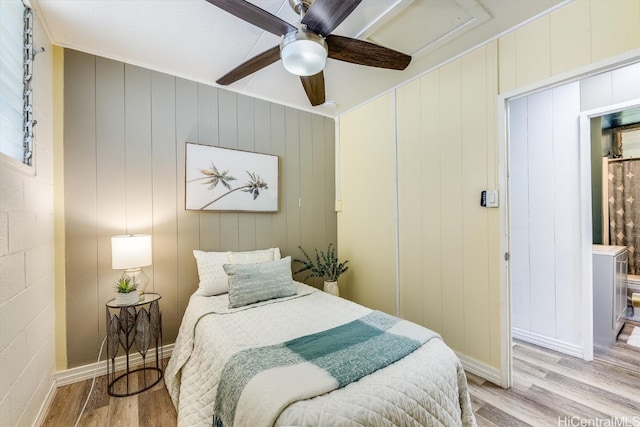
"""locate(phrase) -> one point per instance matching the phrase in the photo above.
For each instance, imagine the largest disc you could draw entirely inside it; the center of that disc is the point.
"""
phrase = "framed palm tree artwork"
(223, 179)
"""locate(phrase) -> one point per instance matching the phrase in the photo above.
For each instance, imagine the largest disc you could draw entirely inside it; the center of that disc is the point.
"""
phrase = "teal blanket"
(308, 366)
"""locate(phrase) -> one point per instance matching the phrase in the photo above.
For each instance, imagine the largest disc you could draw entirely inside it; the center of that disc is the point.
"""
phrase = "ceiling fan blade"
(254, 64)
(365, 53)
(254, 15)
(325, 15)
(314, 86)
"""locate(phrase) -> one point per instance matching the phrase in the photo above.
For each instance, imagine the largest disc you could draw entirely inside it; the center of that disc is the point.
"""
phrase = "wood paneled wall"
(578, 34)
(448, 251)
(431, 149)
(125, 134)
(444, 127)
(366, 224)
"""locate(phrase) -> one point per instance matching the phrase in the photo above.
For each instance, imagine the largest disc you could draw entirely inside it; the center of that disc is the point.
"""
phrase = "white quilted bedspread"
(426, 388)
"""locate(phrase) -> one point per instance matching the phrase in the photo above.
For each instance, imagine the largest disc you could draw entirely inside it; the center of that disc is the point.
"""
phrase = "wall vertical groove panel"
(519, 213)
(246, 141)
(80, 207)
(125, 135)
(264, 235)
(318, 180)
(329, 170)
(278, 147)
(366, 224)
(431, 195)
(187, 222)
(451, 204)
(111, 218)
(541, 213)
(306, 182)
(291, 174)
(228, 138)
(475, 256)
(164, 198)
(207, 125)
(410, 207)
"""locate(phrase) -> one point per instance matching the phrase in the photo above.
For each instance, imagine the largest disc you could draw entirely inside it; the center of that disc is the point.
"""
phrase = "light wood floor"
(548, 388)
(152, 408)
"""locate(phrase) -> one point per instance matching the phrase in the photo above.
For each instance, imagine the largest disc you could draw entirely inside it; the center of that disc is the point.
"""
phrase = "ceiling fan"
(304, 48)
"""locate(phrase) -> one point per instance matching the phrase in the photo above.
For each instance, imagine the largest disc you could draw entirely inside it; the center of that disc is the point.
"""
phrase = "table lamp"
(130, 253)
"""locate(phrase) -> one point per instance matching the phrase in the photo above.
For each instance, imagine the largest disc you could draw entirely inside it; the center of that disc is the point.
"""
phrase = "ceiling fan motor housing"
(303, 52)
(300, 6)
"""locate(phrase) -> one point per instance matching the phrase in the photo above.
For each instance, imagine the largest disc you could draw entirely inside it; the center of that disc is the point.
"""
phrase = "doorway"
(545, 238)
(547, 222)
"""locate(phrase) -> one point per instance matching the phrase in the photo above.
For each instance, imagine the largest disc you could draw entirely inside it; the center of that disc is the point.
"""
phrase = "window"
(16, 65)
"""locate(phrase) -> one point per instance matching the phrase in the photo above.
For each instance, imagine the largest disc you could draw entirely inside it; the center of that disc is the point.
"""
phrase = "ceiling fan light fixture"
(303, 53)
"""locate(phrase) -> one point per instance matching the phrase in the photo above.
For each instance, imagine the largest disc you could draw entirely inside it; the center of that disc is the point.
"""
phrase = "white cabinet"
(609, 293)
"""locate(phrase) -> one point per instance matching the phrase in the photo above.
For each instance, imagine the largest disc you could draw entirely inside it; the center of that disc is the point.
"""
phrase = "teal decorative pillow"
(249, 283)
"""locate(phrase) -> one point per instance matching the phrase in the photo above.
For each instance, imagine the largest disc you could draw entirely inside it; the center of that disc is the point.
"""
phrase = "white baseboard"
(86, 372)
(546, 342)
(42, 412)
(480, 369)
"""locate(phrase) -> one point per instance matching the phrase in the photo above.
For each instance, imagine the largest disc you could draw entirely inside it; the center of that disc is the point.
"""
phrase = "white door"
(544, 218)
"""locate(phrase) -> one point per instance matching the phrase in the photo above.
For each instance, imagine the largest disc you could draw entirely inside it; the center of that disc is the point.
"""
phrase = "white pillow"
(253, 257)
(213, 279)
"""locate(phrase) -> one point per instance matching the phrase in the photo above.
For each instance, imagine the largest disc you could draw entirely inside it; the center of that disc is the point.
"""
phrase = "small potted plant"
(325, 266)
(126, 292)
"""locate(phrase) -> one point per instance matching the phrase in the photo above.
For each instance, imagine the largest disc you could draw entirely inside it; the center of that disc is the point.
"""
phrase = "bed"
(306, 358)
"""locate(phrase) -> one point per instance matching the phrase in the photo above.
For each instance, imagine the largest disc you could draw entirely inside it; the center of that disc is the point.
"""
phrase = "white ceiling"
(198, 41)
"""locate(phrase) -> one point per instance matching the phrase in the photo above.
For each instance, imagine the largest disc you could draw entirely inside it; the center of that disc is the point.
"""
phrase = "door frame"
(506, 357)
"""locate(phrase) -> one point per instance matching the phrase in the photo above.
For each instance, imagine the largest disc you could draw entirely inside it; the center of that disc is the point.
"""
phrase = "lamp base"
(138, 278)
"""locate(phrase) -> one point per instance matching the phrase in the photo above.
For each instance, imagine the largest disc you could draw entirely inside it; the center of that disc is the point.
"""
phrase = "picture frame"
(619, 133)
(230, 180)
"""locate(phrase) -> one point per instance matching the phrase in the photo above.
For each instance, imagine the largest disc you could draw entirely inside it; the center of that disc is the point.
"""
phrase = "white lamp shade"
(130, 251)
(303, 53)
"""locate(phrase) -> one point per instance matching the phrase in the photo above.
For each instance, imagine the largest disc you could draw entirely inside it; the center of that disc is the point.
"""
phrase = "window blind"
(11, 79)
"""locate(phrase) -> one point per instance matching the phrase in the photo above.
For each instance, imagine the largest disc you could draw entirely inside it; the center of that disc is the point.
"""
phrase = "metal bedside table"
(136, 325)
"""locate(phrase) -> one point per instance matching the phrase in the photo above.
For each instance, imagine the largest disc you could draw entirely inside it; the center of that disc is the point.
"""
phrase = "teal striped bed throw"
(258, 383)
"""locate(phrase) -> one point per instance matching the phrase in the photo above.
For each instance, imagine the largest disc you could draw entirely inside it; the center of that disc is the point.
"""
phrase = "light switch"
(489, 198)
(492, 198)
